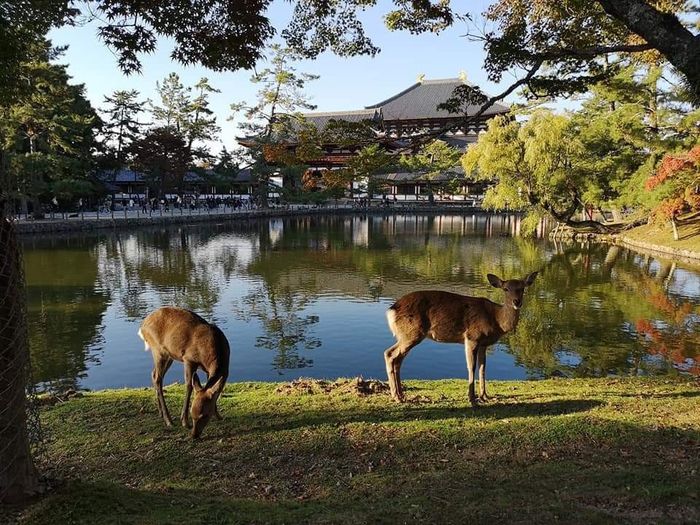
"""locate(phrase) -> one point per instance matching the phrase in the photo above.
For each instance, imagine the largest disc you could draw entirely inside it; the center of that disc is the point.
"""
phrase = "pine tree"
(275, 114)
(49, 131)
(188, 116)
(122, 127)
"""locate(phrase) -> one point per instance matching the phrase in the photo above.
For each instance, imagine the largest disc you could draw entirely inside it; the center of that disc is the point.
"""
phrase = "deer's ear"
(530, 278)
(195, 383)
(495, 281)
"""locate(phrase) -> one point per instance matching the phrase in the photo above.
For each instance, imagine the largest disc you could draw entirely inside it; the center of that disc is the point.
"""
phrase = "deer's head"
(514, 288)
(203, 405)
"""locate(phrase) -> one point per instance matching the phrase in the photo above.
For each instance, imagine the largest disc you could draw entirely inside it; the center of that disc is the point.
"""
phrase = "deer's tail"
(145, 343)
(391, 319)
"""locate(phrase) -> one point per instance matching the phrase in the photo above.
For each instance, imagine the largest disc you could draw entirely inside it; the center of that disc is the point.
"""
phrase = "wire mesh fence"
(21, 437)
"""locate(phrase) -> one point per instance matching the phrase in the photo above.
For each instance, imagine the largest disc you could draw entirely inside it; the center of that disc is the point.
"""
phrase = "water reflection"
(310, 293)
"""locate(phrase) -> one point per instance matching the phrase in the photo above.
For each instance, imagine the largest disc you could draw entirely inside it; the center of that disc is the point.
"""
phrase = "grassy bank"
(662, 235)
(572, 451)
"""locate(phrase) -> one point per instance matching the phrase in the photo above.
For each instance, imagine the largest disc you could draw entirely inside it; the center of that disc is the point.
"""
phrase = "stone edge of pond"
(78, 225)
(683, 255)
(690, 255)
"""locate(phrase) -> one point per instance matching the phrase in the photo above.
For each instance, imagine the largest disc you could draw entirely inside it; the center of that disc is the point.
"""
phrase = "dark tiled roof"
(123, 175)
(245, 175)
(420, 101)
(321, 119)
(415, 176)
(126, 175)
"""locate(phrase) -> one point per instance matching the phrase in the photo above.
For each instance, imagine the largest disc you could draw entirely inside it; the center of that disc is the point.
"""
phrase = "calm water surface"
(307, 296)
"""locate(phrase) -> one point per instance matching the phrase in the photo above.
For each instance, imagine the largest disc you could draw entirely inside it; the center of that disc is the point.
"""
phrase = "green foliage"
(47, 133)
(274, 119)
(121, 126)
(186, 114)
(163, 156)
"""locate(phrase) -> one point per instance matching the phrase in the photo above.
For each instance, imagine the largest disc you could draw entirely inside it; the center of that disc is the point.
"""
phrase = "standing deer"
(175, 334)
(452, 318)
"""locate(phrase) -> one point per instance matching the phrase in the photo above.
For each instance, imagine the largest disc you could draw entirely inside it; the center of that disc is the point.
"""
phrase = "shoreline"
(683, 255)
(78, 224)
(27, 228)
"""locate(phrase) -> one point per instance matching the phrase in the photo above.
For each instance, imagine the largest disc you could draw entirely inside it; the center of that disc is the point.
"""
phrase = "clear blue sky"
(344, 84)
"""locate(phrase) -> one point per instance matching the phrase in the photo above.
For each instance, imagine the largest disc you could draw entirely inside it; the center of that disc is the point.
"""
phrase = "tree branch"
(663, 31)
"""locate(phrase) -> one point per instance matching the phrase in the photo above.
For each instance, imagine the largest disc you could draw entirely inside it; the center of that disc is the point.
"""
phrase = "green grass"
(662, 235)
(571, 451)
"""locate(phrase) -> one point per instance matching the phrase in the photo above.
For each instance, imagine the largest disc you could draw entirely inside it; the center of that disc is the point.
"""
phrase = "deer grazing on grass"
(452, 318)
(175, 334)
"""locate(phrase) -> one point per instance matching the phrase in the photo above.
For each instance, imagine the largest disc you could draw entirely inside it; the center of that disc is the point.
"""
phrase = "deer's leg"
(470, 348)
(400, 354)
(481, 355)
(190, 370)
(161, 363)
(389, 355)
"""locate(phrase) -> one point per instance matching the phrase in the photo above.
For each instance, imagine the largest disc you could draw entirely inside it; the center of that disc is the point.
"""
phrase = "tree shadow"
(271, 421)
(425, 481)
(651, 395)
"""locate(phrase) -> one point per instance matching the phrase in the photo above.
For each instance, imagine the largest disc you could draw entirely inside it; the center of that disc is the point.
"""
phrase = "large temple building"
(395, 122)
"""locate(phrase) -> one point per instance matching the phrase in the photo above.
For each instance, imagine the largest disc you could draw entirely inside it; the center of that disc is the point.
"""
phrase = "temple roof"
(420, 101)
(321, 119)
(416, 102)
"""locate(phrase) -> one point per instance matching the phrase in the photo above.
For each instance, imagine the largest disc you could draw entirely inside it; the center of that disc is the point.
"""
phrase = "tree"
(274, 118)
(121, 127)
(432, 160)
(48, 131)
(174, 99)
(533, 166)
(676, 186)
(557, 44)
(190, 117)
(225, 170)
(162, 155)
(368, 162)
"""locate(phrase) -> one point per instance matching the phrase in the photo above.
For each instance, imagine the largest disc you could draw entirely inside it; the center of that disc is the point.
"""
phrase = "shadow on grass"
(397, 413)
(651, 395)
(107, 503)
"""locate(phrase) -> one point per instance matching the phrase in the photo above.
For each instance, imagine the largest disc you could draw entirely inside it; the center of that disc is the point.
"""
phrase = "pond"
(307, 297)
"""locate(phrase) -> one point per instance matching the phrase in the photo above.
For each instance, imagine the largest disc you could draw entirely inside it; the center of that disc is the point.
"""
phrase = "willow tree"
(534, 166)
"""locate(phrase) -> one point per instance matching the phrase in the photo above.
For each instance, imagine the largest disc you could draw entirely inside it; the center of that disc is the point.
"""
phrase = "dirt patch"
(57, 397)
(357, 386)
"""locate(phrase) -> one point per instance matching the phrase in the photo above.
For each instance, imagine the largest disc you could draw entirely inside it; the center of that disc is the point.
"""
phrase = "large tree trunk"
(664, 31)
(18, 477)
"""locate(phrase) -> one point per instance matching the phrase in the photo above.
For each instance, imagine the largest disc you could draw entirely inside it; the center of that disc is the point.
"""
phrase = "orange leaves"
(310, 180)
(670, 165)
(684, 171)
(275, 153)
(329, 179)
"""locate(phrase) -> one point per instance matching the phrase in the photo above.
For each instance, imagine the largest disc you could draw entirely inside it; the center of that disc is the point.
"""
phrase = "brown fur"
(174, 334)
(452, 318)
